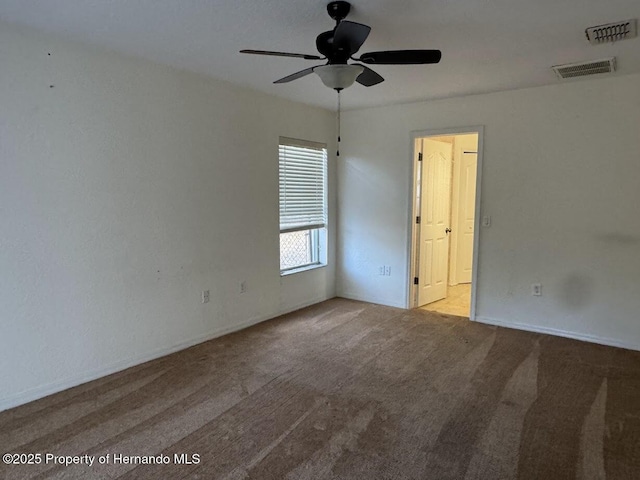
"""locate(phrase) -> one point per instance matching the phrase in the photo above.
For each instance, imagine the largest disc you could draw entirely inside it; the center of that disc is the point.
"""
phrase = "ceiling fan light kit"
(338, 77)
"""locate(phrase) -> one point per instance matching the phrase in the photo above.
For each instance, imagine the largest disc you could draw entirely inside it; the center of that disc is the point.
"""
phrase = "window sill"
(306, 268)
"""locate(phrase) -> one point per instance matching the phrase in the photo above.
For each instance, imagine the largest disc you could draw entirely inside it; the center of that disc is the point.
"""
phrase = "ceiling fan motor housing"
(335, 53)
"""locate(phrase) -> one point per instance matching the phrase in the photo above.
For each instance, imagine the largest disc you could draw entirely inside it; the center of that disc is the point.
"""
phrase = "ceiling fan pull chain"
(338, 152)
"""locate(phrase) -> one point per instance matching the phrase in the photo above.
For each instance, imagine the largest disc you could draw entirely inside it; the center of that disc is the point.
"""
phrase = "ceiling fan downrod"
(338, 10)
(338, 144)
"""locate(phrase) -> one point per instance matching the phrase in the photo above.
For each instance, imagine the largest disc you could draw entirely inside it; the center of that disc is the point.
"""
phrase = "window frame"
(314, 248)
(317, 231)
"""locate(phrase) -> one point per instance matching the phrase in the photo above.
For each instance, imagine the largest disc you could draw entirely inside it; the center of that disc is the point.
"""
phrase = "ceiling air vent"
(571, 70)
(612, 32)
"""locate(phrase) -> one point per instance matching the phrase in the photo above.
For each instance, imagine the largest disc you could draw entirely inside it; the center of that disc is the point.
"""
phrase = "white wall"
(560, 181)
(125, 190)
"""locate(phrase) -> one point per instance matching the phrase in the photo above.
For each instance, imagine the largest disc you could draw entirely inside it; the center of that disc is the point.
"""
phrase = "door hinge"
(418, 219)
(420, 156)
(415, 281)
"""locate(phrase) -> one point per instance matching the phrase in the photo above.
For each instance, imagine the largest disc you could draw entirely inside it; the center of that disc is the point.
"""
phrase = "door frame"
(412, 239)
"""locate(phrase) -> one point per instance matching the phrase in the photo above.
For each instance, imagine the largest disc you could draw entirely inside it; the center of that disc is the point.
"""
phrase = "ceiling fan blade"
(295, 76)
(282, 54)
(368, 77)
(351, 34)
(401, 57)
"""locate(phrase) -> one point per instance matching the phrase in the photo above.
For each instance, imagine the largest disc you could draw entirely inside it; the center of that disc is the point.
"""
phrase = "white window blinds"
(303, 185)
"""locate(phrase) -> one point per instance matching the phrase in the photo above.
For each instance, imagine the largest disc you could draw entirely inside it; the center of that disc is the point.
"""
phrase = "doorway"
(446, 173)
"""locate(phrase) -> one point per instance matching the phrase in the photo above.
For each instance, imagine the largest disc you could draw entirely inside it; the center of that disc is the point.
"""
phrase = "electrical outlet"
(387, 270)
(205, 296)
(381, 270)
(243, 286)
(536, 290)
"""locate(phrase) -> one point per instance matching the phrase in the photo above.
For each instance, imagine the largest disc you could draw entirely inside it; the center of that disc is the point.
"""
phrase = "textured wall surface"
(560, 181)
(127, 188)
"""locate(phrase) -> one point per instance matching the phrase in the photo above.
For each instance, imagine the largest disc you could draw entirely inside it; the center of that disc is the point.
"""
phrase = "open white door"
(468, 146)
(435, 213)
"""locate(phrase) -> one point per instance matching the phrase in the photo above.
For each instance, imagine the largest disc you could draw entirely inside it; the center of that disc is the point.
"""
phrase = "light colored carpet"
(349, 390)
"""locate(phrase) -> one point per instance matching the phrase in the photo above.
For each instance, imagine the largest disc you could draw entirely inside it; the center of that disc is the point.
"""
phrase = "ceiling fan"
(339, 45)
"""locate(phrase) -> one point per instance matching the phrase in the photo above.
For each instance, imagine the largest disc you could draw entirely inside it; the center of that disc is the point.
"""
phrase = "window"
(303, 205)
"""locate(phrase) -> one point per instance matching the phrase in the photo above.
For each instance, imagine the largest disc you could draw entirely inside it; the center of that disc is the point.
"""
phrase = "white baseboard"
(612, 342)
(377, 301)
(55, 387)
(301, 305)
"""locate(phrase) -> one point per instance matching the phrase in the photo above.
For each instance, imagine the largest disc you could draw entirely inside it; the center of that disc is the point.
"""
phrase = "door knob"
(447, 230)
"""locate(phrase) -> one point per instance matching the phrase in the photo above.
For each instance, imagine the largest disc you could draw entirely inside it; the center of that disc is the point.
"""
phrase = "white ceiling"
(487, 45)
